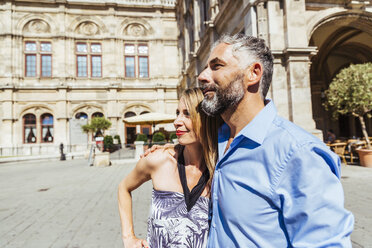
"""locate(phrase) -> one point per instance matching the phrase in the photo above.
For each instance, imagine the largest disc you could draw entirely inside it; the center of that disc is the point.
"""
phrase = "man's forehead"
(222, 51)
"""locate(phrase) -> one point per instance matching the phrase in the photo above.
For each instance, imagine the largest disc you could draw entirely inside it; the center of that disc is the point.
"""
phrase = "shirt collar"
(257, 129)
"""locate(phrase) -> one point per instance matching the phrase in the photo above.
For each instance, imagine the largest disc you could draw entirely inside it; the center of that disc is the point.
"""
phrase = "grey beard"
(223, 99)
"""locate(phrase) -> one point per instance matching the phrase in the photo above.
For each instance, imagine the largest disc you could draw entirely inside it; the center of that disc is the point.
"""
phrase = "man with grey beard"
(275, 185)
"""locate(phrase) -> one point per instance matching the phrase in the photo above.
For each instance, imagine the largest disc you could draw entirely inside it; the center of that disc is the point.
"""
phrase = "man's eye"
(216, 66)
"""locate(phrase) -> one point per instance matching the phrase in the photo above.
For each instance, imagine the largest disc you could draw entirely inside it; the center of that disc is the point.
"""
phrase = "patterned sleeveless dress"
(171, 225)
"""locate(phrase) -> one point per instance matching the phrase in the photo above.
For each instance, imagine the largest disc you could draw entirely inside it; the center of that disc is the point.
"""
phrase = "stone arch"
(135, 28)
(87, 26)
(36, 109)
(136, 108)
(89, 109)
(35, 25)
(342, 38)
(355, 19)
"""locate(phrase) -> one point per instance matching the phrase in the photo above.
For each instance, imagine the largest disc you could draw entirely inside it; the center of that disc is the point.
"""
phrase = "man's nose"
(205, 76)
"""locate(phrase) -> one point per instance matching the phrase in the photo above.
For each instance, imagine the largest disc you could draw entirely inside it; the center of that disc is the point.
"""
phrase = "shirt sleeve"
(311, 199)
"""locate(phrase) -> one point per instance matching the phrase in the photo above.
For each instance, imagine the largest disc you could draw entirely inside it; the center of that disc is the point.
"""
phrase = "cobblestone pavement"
(67, 204)
(357, 183)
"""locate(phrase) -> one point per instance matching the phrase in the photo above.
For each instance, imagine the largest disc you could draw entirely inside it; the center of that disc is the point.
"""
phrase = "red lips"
(179, 133)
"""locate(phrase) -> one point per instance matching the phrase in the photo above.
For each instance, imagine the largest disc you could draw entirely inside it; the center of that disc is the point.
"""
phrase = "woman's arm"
(140, 174)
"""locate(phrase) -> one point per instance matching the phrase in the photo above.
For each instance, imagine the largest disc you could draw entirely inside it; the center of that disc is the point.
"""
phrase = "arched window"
(81, 115)
(129, 114)
(144, 112)
(130, 130)
(47, 128)
(97, 114)
(29, 128)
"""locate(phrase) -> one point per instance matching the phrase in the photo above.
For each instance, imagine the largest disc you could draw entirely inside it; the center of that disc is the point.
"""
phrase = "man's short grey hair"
(249, 49)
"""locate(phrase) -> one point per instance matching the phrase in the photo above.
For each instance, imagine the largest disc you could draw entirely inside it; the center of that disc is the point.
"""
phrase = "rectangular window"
(129, 49)
(81, 48)
(82, 66)
(45, 47)
(89, 59)
(30, 46)
(46, 65)
(38, 59)
(96, 66)
(130, 66)
(143, 67)
(95, 48)
(136, 59)
(31, 65)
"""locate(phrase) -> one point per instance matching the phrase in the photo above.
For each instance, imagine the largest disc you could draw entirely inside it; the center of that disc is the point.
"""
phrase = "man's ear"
(253, 73)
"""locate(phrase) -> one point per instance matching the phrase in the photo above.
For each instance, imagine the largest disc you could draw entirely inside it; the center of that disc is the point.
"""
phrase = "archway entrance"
(341, 39)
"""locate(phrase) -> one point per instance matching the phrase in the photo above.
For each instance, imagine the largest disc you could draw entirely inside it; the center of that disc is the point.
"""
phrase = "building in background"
(65, 62)
(311, 41)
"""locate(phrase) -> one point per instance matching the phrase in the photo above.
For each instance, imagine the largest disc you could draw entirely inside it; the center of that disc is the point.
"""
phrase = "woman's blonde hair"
(205, 127)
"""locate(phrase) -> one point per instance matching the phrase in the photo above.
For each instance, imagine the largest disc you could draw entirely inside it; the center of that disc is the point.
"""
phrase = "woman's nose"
(177, 122)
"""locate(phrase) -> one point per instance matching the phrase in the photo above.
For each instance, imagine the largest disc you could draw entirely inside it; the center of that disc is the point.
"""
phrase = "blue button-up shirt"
(277, 186)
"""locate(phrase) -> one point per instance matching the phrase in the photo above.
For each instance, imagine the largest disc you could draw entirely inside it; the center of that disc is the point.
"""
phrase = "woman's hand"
(156, 147)
(134, 242)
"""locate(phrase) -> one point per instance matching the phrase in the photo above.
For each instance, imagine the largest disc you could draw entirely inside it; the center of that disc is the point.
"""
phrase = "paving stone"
(68, 204)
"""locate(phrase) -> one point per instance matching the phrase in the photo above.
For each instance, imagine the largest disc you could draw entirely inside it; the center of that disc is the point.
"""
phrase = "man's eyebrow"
(216, 60)
(213, 61)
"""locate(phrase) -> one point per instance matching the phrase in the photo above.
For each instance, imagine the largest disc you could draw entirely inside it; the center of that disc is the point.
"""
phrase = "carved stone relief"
(37, 26)
(136, 30)
(87, 28)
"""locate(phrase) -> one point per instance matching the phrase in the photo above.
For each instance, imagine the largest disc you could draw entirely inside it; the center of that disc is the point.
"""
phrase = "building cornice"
(291, 54)
(157, 4)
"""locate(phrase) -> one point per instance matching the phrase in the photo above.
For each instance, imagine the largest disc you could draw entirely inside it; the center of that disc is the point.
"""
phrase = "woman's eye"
(177, 113)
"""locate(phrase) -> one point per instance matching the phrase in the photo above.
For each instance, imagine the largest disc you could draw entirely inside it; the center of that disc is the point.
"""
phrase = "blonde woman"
(181, 182)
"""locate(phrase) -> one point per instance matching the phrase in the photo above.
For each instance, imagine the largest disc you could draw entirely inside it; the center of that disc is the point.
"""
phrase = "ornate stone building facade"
(63, 62)
(311, 41)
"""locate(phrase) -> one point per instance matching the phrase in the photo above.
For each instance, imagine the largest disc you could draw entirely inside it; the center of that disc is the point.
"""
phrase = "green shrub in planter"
(173, 136)
(141, 137)
(108, 143)
(158, 137)
(118, 138)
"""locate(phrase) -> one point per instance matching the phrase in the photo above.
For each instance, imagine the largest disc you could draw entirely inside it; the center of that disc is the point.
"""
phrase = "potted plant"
(97, 127)
(158, 138)
(141, 137)
(108, 143)
(173, 137)
(350, 92)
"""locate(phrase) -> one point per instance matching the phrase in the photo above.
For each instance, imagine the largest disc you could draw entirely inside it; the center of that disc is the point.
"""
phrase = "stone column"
(61, 131)
(139, 149)
(197, 26)
(112, 111)
(262, 25)
(250, 22)
(297, 56)
(6, 137)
